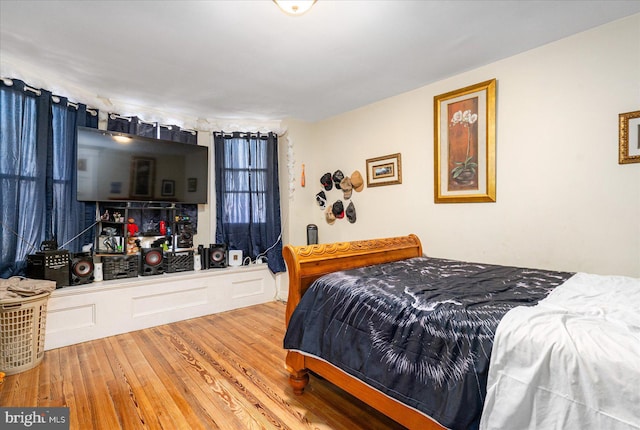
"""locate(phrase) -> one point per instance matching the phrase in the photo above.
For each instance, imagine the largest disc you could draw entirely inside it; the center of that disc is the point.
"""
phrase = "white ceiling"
(247, 59)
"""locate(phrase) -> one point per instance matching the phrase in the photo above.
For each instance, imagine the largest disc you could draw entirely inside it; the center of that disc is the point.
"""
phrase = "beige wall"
(297, 208)
(563, 201)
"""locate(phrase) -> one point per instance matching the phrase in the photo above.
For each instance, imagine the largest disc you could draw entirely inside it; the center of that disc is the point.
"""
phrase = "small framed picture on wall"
(386, 170)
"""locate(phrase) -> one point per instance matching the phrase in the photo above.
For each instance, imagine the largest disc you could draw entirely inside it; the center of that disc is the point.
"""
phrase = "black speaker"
(204, 257)
(120, 266)
(184, 235)
(152, 261)
(217, 255)
(179, 261)
(81, 269)
(50, 265)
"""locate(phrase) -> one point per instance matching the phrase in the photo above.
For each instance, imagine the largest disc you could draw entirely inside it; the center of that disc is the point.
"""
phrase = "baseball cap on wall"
(356, 181)
(326, 181)
(338, 209)
(351, 213)
(329, 216)
(338, 176)
(321, 198)
(346, 187)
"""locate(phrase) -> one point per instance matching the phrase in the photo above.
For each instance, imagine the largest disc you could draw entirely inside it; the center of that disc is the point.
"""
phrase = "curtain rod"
(56, 99)
(241, 133)
(129, 118)
(116, 116)
(170, 127)
(9, 82)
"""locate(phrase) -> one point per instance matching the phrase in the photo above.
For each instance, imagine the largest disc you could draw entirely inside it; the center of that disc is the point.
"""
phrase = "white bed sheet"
(571, 362)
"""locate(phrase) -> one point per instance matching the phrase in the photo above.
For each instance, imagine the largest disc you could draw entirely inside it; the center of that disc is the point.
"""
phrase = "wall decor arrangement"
(465, 144)
(629, 137)
(386, 170)
(345, 185)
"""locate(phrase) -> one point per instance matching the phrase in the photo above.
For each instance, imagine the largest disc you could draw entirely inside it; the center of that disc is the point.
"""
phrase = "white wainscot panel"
(247, 288)
(169, 301)
(71, 318)
(100, 309)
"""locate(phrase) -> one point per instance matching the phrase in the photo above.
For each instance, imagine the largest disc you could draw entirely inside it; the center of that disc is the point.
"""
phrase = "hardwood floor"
(222, 371)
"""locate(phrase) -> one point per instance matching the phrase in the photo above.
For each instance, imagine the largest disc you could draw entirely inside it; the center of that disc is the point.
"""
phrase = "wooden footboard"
(307, 263)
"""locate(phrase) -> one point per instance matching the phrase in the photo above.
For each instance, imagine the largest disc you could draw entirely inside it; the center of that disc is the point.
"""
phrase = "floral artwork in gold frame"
(465, 144)
(629, 137)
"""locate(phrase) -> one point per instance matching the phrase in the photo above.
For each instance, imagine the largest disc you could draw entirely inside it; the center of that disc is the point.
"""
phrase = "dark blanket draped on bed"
(419, 330)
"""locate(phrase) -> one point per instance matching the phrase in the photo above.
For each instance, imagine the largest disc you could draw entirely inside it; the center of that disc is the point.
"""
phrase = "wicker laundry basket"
(22, 329)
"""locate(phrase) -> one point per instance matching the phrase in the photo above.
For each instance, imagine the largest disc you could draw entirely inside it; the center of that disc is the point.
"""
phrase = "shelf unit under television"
(113, 244)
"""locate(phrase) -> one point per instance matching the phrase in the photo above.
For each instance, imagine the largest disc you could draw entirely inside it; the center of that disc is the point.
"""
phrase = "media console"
(100, 309)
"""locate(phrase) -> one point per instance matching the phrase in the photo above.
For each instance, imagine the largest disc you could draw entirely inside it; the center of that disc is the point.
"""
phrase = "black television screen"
(113, 166)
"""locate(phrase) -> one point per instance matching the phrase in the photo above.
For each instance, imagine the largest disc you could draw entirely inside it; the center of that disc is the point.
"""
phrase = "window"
(21, 179)
(245, 174)
(37, 188)
(248, 196)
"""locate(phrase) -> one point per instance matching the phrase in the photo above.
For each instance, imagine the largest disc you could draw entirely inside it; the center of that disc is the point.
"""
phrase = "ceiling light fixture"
(294, 7)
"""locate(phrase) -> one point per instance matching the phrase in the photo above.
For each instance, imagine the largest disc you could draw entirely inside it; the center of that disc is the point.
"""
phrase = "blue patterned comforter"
(420, 330)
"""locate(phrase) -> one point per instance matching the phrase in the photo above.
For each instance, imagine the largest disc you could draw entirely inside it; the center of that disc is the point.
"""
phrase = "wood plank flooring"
(222, 371)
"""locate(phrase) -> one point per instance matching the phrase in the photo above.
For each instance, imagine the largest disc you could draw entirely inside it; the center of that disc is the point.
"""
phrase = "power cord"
(79, 234)
(33, 247)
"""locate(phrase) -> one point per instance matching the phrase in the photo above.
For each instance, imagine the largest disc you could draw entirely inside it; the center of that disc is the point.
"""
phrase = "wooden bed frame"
(307, 263)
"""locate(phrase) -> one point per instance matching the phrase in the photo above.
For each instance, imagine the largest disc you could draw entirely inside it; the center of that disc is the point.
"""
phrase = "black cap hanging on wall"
(337, 177)
(326, 181)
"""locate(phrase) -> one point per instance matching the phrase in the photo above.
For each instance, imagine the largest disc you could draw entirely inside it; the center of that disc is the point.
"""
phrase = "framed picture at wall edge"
(465, 144)
(629, 137)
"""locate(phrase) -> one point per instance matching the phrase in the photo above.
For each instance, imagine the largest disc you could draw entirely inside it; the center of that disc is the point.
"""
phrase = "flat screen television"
(113, 166)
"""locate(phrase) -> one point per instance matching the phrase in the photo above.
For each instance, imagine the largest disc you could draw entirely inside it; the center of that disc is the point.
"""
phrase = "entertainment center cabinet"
(136, 299)
(100, 309)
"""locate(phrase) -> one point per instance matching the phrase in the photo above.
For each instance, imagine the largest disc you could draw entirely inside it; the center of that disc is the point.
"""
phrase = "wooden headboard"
(307, 263)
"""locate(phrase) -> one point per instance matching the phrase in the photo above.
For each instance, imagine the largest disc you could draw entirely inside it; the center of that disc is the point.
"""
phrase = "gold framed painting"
(386, 170)
(465, 144)
(629, 137)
